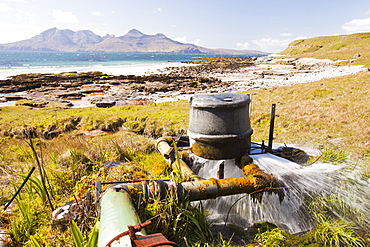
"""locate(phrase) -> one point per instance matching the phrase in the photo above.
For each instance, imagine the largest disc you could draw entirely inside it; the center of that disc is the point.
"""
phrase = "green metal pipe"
(116, 213)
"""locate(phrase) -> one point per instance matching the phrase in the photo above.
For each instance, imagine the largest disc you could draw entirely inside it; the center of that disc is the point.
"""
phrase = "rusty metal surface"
(212, 188)
(152, 240)
(218, 150)
(156, 239)
(255, 180)
(181, 166)
(164, 147)
(253, 169)
(219, 125)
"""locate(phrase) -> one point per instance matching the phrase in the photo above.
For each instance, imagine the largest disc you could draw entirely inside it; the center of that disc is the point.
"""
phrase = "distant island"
(134, 41)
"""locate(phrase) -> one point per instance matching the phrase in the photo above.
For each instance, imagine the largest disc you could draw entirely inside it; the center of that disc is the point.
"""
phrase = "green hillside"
(353, 48)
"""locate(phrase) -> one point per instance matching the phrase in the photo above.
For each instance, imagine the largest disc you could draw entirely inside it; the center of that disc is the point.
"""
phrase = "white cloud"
(184, 39)
(274, 45)
(357, 25)
(100, 32)
(286, 34)
(17, 31)
(25, 16)
(243, 46)
(4, 8)
(64, 17)
(303, 37)
(271, 45)
(96, 13)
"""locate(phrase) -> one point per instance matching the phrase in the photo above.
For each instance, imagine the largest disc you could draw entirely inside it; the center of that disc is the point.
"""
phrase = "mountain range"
(134, 41)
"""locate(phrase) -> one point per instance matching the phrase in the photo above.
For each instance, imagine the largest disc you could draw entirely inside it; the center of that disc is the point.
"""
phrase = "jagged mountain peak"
(67, 40)
(134, 33)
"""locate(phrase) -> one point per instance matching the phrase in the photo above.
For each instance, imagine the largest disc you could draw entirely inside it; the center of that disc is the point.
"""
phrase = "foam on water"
(206, 168)
(303, 184)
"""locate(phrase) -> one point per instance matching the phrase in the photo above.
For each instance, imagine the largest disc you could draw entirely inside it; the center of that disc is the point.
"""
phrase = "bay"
(17, 62)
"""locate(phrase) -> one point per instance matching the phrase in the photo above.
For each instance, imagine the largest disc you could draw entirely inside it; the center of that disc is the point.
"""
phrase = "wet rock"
(293, 154)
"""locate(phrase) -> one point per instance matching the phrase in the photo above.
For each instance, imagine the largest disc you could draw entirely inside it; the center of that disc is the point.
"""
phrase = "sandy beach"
(130, 69)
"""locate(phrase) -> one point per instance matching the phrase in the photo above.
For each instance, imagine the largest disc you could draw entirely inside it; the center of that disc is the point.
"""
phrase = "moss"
(69, 74)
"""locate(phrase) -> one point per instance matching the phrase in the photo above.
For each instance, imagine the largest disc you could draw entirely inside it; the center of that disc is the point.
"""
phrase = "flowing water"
(339, 187)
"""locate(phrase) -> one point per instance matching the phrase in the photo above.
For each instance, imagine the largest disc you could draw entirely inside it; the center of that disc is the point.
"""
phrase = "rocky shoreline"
(213, 75)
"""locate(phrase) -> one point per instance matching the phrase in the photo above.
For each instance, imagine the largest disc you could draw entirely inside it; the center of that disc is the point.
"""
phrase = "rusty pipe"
(205, 189)
(212, 188)
(163, 145)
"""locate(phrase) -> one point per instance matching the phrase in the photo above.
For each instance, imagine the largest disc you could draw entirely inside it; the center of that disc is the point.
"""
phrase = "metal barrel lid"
(219, 100)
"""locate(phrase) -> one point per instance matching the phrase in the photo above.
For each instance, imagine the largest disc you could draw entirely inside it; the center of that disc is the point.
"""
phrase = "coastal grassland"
(353, 49)
(331, 114)
(149, 119)
(313, 113)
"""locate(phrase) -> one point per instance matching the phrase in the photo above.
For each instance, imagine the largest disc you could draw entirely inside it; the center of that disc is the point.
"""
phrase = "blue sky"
(266, 25)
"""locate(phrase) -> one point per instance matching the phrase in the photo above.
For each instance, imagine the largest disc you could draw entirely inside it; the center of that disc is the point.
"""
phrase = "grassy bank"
(149, 120)
(319, 113)
(352, 49)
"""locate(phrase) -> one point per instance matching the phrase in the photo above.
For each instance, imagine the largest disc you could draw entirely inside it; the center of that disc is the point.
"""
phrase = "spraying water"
(344, 192)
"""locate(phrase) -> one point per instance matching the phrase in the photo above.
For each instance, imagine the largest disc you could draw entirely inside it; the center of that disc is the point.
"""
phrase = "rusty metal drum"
(219, 126)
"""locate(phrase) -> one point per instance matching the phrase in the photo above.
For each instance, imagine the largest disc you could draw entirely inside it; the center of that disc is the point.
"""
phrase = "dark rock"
(11, 97)
(105, 104)
(293, 154)
(31, 103)
(71, 95)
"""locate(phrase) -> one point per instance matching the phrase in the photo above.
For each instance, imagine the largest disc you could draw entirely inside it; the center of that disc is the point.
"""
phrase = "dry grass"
(353, 48)
(318, 112)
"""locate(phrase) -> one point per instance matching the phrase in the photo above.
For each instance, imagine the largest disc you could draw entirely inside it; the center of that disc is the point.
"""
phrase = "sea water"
(16, 62)
(341, 187)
